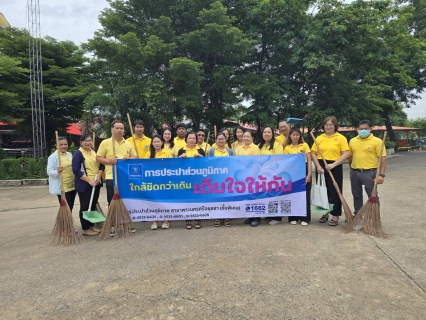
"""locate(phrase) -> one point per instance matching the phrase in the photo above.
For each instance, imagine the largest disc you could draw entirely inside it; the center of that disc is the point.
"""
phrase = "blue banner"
(213, 187)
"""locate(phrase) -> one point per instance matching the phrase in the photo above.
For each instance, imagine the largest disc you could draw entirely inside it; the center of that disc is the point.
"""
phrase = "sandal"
(188, 224)
(323, 219)
(217, 223)
(197, 224)
(333, 223)
(227, 223)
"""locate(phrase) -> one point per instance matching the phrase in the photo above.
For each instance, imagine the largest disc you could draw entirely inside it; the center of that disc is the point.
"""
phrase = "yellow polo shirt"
(219, 153)
(124, 148)
(142, 145)
(162, 154)
(203, 146)
(236, 145)
(173, 151)
(331, 147)
(92, 166)
(280, 138)
(291, 149)
(67, 174)
(277, 149)
(250, 150)
(364, 152)
(191, 152)
(179, 142)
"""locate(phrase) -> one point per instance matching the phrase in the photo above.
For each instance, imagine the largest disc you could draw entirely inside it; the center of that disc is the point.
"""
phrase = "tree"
(65, 74)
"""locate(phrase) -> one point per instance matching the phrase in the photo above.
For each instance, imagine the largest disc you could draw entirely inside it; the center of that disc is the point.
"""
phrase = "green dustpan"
(322, 210)
(93, 216)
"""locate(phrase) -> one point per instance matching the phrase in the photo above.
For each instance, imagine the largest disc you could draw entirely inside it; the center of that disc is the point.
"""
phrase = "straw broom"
(368, 217)
(133, 136)
(118, 215)
(346, 209)
(65, 231)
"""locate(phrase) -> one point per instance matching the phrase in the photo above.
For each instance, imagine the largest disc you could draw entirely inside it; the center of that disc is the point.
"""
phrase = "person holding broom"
(156, 150)
(201, 135)
(364, 151)
(123, 149)
(53, 170)
(87, 172)
(141, 141)
(335, 149)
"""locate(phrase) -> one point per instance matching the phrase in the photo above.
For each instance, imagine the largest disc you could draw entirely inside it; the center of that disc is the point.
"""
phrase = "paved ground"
(269, 272)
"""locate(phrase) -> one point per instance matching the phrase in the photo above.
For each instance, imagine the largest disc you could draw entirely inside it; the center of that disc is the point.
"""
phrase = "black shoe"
(248, 221)
(255, 222)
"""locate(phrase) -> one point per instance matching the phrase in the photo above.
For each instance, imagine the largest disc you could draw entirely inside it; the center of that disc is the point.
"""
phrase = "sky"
(77, 20)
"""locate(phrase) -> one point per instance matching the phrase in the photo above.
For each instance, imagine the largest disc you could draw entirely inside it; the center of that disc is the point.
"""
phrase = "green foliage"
(3, 154)
(10, 169)
(41, 166)
(418, 123)
(29, 168)
(389, 144)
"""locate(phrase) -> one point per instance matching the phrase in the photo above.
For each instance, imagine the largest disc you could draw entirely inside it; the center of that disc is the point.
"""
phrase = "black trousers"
(333, 196)
(308, 204)
(70, 197)
(110, 190)
(84, 204)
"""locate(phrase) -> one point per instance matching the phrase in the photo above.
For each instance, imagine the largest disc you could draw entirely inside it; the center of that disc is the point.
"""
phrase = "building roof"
(3, 22)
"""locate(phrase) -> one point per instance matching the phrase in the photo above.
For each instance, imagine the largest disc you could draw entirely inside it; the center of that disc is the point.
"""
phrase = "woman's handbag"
(319, 195)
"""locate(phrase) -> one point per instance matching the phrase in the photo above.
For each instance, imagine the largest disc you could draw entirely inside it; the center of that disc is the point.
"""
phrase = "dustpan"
(93, 216)
(320, 210)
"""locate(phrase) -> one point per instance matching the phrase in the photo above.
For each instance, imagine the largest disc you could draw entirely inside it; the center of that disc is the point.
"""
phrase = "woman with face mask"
(191, 150)
(53, 170)
(335, 149)
(156, 150)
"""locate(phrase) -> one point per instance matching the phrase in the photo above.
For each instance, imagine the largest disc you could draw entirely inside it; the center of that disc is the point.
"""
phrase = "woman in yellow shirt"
(335, 149)
(191, 150)
(221, 150)
(156, 150)
(268, 144)
(169, 144)
(295, 145)
(53, 170)
(226, 133)
(238, 138)
(249, 148)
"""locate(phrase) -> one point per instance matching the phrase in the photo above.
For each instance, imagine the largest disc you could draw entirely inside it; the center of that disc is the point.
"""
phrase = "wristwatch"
(382, 175)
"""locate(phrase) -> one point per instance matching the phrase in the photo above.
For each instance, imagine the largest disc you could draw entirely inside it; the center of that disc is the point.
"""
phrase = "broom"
(98, 225)
(207, 142)
(346, 209)
(133, 137)
(65, 231)
(368, 217)
(118, 223)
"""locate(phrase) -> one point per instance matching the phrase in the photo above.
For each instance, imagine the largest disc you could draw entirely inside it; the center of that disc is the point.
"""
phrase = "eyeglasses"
(200, 135)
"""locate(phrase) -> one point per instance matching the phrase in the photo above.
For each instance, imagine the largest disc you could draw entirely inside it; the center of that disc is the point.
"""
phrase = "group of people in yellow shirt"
(362, 152)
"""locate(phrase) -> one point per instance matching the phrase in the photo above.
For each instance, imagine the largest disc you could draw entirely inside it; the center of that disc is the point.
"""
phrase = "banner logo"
(135, 171)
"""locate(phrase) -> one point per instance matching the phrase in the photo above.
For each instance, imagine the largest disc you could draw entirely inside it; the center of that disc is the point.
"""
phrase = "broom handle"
(215, 132)
(93, 140)
(60, 164)
(91, 197)
(325, 162)
(133, 137)
(115, 166)
(207, 142)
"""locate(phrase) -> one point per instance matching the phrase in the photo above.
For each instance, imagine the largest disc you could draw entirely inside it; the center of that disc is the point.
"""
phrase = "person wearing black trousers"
(335, 150)
(88, 173)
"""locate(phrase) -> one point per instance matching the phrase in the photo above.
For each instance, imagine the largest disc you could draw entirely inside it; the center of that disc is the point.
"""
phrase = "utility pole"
(36, 78)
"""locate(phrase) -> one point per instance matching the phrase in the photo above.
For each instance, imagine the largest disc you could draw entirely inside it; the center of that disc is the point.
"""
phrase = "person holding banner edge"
(85, 169)
(221, 150)
(335, 149)
(296, 145)
(105, 155)
(191, 150)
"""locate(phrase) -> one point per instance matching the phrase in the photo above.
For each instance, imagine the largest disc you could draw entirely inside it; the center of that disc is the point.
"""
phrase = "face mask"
(364, 133)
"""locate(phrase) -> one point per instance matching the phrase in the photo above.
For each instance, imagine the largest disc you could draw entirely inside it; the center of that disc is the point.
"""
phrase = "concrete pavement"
(268, 272)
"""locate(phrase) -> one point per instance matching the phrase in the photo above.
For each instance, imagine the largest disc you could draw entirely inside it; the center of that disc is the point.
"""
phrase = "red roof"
(74, 128)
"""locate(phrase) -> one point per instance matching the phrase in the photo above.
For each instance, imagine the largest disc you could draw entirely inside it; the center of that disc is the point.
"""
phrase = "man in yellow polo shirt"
(142, 142)
(181, 134)
(364, 151)
(123, 150)
(284, 129)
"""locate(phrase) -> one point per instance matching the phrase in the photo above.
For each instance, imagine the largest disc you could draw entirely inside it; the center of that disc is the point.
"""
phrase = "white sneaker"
(154, 226)
(112, 232)
(303, 223)
(132, 230)
(274, 222)
(293, 222)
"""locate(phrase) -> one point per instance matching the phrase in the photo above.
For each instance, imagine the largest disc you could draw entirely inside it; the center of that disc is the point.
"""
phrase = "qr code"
(285, 206)
(273, 207)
